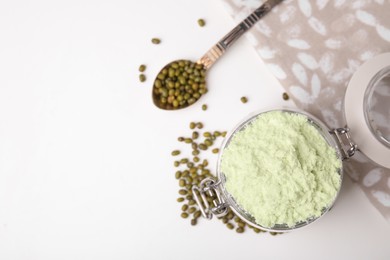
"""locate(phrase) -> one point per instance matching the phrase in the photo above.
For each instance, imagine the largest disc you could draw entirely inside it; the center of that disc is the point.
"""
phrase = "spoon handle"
(217, 50)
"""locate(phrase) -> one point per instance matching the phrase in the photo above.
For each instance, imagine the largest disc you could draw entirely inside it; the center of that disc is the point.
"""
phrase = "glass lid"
(367, 109)
(377, 106)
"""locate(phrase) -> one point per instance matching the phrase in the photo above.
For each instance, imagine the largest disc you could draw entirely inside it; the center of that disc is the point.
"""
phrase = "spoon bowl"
(179, 84)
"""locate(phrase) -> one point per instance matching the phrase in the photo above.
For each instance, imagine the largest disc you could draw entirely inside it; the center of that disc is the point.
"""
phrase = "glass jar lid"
(367, 109)
(377, 106)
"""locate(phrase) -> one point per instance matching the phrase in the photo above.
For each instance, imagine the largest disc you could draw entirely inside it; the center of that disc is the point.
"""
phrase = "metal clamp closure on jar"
(344, 141)
(208, 193)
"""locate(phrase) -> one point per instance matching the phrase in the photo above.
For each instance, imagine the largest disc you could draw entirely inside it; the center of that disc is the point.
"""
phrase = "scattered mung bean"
(142, 77)
(156, 41)
(201, 22)
(182, 183)
(240, 230)
(199, 125)
(195, 135)
(207, 134)
(142, 68)
(229, 226)
(175, 152)
(191, 210)
(197, 214)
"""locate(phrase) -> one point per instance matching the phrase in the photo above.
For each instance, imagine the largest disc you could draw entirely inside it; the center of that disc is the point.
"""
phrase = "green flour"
(281, 170)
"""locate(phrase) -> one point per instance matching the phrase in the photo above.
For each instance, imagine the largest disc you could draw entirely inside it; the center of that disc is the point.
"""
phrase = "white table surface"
(85, 165)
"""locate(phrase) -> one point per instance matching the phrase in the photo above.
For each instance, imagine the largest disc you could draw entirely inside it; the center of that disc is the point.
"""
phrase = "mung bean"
(142, 77)
(182, 183)
(191, 210)
(156, 41)
(240, 230)
(197, 214)
(142, 68)
(199, 125)
(207, 134)
(175, 153)
(201, 22)
(202, 147)
(183, 192)
(195, 135)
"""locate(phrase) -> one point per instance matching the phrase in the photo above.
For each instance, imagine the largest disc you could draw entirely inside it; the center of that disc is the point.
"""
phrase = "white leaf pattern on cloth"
(383, 32)
(382, 197)
(300, 73)
(366, 18)
(372, 177)
(307, 60)
(317, 25)
(298, 44)
(315, 86)
(313, 48)
(305, 7)
(300, 93)
(327, 62)
(267, 53)
(334, 43)
(277, 71)
(288, 14)
(321, 4)
(339, 3)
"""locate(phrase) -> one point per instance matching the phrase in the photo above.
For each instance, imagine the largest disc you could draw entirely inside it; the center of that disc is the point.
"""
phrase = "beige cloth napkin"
(313, 48)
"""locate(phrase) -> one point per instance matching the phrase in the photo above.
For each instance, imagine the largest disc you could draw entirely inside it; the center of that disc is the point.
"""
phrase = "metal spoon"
(215, 52)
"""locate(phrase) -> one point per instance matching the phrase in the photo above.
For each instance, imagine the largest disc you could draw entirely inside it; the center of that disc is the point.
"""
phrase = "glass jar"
(223, 199)
(366, 101)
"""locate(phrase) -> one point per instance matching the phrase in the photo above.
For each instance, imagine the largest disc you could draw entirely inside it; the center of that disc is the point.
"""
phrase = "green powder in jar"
(281, 170)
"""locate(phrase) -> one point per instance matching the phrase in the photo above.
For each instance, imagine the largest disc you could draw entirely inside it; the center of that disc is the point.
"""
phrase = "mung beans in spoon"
(181, 83)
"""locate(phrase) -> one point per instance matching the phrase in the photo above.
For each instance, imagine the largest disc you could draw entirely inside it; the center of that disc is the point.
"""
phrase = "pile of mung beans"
(192, 170)
(180, 83)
